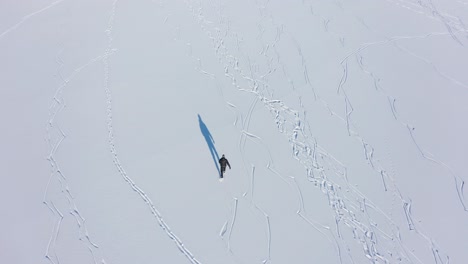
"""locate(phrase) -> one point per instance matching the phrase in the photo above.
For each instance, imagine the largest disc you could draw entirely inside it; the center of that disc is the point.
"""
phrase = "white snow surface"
(345, 123)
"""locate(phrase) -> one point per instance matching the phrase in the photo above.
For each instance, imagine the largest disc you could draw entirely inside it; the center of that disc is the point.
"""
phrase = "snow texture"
(344, 123)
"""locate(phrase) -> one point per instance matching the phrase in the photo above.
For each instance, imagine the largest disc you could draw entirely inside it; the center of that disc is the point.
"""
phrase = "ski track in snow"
(28, 17)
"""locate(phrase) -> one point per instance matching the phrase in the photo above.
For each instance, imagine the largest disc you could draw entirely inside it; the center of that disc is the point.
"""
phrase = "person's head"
(223, 155)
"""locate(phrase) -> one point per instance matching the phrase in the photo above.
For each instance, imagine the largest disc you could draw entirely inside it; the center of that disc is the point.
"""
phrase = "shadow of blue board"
(210, 142)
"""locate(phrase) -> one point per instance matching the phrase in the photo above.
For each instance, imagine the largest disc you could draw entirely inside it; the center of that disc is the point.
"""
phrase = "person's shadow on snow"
(210, 141)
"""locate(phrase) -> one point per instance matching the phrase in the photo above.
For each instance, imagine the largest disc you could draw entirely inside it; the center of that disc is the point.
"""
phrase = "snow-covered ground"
(344, 122)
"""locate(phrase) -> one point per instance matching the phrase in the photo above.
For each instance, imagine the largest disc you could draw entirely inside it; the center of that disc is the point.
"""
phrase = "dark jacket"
(223, 162)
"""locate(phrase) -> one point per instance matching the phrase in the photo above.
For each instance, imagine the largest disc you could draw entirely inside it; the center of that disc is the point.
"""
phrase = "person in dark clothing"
(223, 162)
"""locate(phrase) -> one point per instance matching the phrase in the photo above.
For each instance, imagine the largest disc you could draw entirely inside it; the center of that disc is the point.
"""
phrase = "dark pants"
(223, 169)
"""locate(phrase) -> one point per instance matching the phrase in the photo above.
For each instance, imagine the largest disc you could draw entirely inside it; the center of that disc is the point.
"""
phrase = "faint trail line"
(54, 236)
(27, 17)
(394, 41)
(433, 66)
(234, 215)
(427, 8)
(113, 150)
(391, 39)
(264, 214)
(459, 182)
(244, 135)
(56, 106)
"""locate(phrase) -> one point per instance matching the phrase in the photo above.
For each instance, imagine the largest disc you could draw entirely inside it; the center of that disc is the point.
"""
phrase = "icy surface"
(344, 123)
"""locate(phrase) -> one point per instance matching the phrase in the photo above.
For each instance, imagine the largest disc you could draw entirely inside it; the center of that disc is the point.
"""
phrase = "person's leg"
(223, 169)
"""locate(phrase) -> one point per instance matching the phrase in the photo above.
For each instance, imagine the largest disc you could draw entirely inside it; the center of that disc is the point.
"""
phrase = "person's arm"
(229, 165)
